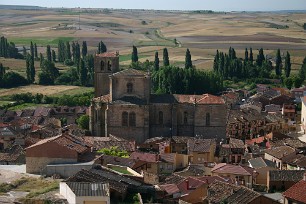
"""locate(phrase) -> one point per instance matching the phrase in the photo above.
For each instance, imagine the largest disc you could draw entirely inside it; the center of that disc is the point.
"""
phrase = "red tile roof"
(232, 169)
(108, 54)
(297, 192)
(104, 99)
(76, 144)
(170, 188)
(145, 157)
(192, 183)
(199, 99)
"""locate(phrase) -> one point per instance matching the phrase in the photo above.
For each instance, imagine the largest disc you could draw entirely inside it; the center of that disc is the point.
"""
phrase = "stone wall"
(37, 165)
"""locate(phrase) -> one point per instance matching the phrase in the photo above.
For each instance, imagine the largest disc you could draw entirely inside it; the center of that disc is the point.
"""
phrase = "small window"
(124, 119)
(129, 88)
(102, 65)
(161, 117)
(207, 119)
(185, 118)
(132, 119)
(109, 66)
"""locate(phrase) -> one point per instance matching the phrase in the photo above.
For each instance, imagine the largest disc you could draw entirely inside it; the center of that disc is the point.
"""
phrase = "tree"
(166, 57)
(287, 65)
(246, 55)
(84, 49)
(2, 72)
(32, 50)
(68, 51)
(49, 73)
(278, 63)
(251, 56)
(288, 82)
(13, 79)
(24, 52)
(134, 54)
(49, 55)
(156, 62)
(188, 62)
(260, 57)
(83, 73)
(114, 151)
(41, 58)
(83, 122)
(53, 56)
(77, 55)
(35, 52)
(30, 69)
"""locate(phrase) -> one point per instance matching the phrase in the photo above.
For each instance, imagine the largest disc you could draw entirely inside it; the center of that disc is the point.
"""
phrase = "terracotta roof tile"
(297, 192)
(170, 189)
(145, 157)
(189, 184)
(232, 169)
(280, 152)
(286, 175)
(108, 54)
(199, 99)
(130, 72)
(200, 145)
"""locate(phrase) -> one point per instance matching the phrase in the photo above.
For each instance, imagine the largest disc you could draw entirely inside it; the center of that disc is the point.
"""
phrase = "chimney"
(187, 184)
(304, 176)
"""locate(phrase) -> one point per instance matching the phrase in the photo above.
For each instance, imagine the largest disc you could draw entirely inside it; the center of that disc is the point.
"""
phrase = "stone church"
(124, 106)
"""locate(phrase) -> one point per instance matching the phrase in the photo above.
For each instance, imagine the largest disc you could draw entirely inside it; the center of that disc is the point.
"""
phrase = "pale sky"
(216, 5)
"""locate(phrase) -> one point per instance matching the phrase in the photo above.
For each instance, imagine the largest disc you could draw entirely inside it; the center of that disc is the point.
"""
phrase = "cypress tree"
(260, 57)
(103, 47)
(99, 48)
(41, 58)
(84, 49)
(251, 56)
(216, 61)
(77, 55)
(188, 62)
(156, 62)
(2, 72)
(32, 71)
(278, 63)
(246, 55)
(73, 50)
(53, 56)
(49, 55)
(68, 51)
(28, 71)
(166, 57)
(83, 72)
(287, 65)
(134, 54)
(32, 50)
(35, 52)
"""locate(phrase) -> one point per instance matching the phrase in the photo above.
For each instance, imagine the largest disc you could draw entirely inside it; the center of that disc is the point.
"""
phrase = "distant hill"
(20, 7)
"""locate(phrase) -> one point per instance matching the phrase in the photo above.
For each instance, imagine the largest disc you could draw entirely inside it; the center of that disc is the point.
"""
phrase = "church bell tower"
(105, 64)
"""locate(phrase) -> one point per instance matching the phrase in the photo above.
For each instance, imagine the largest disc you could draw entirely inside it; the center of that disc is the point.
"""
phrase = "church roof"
(162, 98)
(108, 54)
(199, 99)
(130, 72)
(130, 100)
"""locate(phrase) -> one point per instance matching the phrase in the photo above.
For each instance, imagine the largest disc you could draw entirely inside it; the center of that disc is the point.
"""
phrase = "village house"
(61, 149)
(242, 175)
(233, 152)
(298, 93)
(283, 179)
(296, 193)
(85, 192)
(221, 192)
(201, 150)
(289, 113)
(276, 154)
(231, 99)
(13, 156)
(245, 124)
(262, 167)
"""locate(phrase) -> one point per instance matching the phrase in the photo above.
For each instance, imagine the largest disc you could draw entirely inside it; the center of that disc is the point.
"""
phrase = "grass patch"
(121, 170)
(26, 106)
(76, 91)
(123, 58)
(40, 41)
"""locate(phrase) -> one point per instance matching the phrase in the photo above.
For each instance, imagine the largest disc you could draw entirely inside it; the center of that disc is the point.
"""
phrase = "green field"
(40, 41)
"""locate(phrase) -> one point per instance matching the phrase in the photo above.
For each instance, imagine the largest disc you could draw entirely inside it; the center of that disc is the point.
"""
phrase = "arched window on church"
(109, 66)
(160, 117)
(129, 88)
(102, 65)
(125, 116)
(185, 118)
(207, 119)
(132, 119)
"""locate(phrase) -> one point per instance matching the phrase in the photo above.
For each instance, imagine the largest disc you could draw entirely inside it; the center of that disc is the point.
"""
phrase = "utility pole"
(79, 18)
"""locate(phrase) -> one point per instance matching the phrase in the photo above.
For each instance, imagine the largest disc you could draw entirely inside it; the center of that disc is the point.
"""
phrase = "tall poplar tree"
(49, 55)
(84, 49)
(251, 56)
(165, 57)
(278, 63)
(188, 62)
(35, 52)
(287, 65)
(134, 54)
(156, 62)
